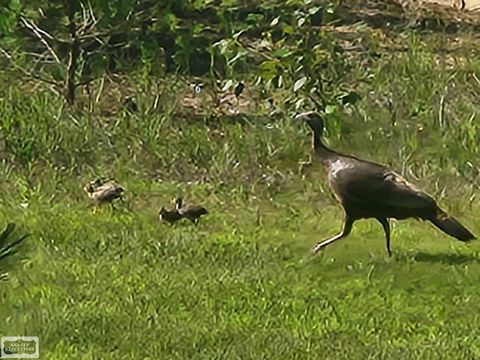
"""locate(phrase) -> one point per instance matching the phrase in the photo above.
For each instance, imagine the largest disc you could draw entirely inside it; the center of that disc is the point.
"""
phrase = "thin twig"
(41, 35)
(100, 90)
(441, 111)
(28, 73)
(87, 81)
(89, 20)
(31, 25)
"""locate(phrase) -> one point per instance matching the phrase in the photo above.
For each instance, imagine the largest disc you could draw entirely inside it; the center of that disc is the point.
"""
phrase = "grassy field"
(244, 284)
(124, 286)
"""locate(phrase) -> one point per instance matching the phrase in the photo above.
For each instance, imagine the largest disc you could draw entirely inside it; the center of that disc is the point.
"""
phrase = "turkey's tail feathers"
(452, 227)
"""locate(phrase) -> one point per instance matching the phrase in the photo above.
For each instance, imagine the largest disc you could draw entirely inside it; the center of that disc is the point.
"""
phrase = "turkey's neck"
(321, 150)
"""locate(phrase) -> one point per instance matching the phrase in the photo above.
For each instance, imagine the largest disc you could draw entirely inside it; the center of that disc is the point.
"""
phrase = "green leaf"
(268, 69)
(8, 15)
(281, 53)
(299, 83)
(330, 109)
(227, 85)
(275, 22)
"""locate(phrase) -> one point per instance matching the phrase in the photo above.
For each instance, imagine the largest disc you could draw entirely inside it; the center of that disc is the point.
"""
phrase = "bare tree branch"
(28, 73)
(41, 35)
(86, 81)
(89, 20)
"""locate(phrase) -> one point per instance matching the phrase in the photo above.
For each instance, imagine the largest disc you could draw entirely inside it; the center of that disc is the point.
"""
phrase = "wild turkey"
(369, 190)
(191, 212)
(103, 193)
(170, 216)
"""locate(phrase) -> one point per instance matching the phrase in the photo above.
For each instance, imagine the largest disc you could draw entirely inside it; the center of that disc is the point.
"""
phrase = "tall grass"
(243, 283)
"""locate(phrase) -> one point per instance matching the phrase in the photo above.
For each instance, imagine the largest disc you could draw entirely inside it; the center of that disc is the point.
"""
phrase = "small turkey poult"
(369, 190)
(170, 216)
(190, 212)
(103, 192)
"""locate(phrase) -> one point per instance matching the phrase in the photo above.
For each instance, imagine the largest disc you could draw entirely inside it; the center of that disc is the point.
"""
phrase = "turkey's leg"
(386, 229)
(347, 228)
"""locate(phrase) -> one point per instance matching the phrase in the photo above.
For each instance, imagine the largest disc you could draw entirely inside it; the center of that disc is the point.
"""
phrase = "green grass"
(125, 286)
(244, 284)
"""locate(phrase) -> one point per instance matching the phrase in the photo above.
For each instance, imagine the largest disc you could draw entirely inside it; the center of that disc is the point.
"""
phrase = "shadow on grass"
(451, 259)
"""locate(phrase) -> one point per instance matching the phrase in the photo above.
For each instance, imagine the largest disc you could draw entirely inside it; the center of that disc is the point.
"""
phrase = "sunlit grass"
(125, 285)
